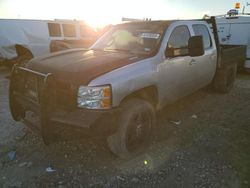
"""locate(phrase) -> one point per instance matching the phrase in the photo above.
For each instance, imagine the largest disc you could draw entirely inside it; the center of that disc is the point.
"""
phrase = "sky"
(101, 12)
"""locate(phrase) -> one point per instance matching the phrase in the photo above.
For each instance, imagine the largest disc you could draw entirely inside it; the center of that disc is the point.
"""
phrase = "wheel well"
(23, 51)
(149, 94)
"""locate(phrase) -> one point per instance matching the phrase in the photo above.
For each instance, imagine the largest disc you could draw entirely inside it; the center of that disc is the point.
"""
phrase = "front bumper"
(39, 111)
(88, 120)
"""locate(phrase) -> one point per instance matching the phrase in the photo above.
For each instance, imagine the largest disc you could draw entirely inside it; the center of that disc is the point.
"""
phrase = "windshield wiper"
(112, 50)
(119, 50)
(97, 49)
(130, 51)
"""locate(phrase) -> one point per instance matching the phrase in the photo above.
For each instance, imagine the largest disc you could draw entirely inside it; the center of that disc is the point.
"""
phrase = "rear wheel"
(224, 78)
(134, 130)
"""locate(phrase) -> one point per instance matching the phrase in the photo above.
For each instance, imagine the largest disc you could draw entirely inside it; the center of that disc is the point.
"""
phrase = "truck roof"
(155, 22)
(158, 22)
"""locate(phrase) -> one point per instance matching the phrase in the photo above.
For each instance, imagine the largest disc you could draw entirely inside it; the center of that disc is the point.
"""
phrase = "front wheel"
(134, 130)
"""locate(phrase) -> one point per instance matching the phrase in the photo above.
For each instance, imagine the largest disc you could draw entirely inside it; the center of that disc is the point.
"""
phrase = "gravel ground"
(209, 148)
(9, 129)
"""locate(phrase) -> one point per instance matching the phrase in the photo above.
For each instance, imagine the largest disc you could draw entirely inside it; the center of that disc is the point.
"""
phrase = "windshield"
(135, 38)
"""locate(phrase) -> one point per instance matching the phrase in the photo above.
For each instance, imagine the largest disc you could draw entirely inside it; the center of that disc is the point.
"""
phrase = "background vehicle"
(131, 72)
(21, 40)
(235, 30)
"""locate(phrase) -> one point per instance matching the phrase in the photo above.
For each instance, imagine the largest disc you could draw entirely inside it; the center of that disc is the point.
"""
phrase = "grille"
(32, 86)
(60, 94)
(65, 95)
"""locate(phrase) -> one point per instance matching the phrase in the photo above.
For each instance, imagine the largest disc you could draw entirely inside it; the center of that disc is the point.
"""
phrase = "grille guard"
(44, 105)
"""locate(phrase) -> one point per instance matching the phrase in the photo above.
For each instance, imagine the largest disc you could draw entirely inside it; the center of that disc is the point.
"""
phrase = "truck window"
(201, 30)
(178, 41)
(54, 30)
(69, 30)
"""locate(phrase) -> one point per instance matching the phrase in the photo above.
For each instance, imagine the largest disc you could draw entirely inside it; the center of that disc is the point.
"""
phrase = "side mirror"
(195, 46)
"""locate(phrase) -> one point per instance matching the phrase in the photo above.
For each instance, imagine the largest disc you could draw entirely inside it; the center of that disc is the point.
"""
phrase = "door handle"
(192, 62)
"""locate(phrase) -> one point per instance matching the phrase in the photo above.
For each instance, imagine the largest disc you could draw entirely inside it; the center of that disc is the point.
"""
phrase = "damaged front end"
(43, 101)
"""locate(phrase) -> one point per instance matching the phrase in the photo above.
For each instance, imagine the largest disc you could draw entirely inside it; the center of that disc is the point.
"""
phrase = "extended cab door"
(203, 67)
(175, 73)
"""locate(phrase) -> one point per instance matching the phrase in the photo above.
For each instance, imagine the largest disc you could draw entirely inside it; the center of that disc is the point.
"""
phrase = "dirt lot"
(210, 148)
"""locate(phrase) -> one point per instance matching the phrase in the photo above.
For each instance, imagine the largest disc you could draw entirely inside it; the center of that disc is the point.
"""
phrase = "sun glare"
(100, 13)
(96, 13)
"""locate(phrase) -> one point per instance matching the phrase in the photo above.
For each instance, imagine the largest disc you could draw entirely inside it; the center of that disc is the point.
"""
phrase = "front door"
(175, 71)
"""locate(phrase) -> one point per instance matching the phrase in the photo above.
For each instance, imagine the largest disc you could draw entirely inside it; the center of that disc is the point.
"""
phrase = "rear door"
(203, 67)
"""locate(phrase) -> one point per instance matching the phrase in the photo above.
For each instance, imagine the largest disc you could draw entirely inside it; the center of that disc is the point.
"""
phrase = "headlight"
(94, 97)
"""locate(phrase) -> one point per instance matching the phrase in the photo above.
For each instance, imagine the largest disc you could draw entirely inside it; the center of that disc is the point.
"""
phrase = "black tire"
(224, 78)
(134, 129)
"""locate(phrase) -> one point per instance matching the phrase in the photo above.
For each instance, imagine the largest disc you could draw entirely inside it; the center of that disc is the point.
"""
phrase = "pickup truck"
(131, 72)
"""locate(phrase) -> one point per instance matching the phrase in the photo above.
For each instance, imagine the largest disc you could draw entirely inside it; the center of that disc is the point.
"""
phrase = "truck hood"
(81, 66)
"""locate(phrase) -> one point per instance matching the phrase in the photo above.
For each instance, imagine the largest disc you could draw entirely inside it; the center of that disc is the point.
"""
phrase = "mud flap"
(224, 78)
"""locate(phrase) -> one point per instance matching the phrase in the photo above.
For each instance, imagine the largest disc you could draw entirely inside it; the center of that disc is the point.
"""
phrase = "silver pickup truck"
(132, 71)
